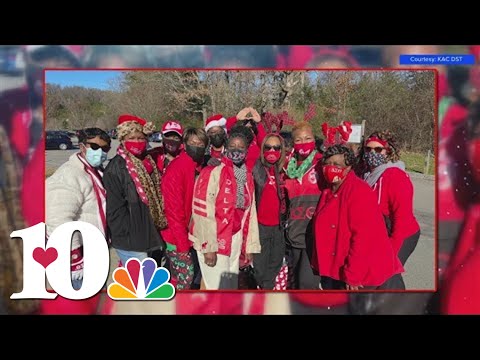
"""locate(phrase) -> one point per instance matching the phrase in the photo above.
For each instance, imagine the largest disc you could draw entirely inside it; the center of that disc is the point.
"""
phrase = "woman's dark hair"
(238, 135)
(319, 144)
(458, 79)
(473, 122)
(243, 130)
(255, 56)
(200, 133)
(133, 56)
(338, 150)
(89, 133)
(393, 150)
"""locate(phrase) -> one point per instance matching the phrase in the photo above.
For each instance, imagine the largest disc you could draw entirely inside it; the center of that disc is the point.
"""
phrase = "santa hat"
(172, 126)
(216, 120)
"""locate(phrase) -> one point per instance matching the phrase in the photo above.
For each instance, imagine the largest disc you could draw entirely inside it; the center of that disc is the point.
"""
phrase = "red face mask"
(333, 174)
(474, 158)
(272, 156)
(304, 149)
(136, 148)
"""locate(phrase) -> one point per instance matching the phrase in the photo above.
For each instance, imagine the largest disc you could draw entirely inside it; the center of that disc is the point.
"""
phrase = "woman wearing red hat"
(135, 213)
(352, 249)
(394, 191)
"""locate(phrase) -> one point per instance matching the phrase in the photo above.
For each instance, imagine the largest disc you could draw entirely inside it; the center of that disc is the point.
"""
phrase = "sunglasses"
(377, 149)
(95, 146)
(274, 147)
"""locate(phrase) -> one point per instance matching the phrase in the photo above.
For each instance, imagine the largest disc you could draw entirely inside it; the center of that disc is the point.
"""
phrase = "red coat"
(351, 240)
(454, 181)
(177, 189)
(33, 182)
(394, 192)
(461, 289)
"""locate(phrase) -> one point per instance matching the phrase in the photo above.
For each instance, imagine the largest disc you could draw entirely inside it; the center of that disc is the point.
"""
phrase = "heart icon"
(45, 257)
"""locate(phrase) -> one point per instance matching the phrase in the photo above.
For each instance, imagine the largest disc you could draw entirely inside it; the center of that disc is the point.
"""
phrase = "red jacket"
(177, 189)
(158, 156)
(33, 182)
(351, 240)
(214, 205)
(394, 193)
(461, 289)
(303, 198)
(454, 181)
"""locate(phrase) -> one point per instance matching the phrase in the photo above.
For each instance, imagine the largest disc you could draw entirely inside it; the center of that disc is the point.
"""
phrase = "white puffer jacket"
(70, 196)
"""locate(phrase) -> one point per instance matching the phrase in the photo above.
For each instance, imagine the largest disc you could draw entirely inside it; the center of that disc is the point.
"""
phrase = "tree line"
(402, 101)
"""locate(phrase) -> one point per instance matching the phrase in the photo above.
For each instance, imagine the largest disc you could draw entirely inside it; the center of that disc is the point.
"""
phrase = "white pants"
(226, 265)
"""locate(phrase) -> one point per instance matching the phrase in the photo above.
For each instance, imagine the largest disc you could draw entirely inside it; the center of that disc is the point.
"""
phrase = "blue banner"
(438, 59)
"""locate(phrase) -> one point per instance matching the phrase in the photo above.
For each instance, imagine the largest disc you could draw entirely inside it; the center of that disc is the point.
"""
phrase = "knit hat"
(216, 120)
(130, 123)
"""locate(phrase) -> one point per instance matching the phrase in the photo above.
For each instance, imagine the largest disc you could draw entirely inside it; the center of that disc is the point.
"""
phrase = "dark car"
(155, 137)
(11, 60)
(57, 140)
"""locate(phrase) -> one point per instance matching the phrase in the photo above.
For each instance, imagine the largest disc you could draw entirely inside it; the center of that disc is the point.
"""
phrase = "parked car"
(11, 60)
(57, 140)
(112, 133)
(155, 137)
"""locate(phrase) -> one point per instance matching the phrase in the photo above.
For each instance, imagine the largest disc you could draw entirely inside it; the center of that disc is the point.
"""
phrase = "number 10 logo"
(52, 261)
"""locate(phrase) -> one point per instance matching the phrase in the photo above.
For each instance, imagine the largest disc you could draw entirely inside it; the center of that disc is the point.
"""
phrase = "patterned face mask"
(374, 159)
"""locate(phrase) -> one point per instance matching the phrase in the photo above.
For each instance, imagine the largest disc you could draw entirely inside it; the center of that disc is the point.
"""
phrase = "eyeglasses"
(377, 149)
(274, 147)
(95, 146)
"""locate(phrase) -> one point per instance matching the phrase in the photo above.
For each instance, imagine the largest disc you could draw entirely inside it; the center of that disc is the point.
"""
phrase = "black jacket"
(129, 221)
(260, 177)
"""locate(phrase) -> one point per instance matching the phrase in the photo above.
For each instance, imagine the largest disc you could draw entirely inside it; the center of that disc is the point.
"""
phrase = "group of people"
(213, 201)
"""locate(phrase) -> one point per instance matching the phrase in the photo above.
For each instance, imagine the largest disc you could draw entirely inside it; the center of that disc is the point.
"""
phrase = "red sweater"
(461, 290)
(351, 239)
(269, 204)
(394, 193)
(453, 191)
(177, 189)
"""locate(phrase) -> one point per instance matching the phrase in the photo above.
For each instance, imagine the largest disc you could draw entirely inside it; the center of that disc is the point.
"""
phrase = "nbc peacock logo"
(141, 281)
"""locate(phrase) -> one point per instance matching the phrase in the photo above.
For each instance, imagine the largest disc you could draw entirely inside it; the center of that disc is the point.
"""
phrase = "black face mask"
(218, 140)
(172, 146)
(195, 152)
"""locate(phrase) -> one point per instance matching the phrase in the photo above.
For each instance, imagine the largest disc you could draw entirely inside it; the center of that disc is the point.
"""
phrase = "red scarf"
(96, 176)
(133, 173)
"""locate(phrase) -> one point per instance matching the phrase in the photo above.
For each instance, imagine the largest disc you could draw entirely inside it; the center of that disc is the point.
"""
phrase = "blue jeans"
(77, 284)
(124, 255)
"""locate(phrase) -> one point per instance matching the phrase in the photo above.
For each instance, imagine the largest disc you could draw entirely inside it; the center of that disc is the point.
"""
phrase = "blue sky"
(98, 79)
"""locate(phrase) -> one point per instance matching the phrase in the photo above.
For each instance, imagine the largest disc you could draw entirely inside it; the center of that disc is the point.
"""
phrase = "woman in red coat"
(352, 248)
(177, 189)
(394, 192)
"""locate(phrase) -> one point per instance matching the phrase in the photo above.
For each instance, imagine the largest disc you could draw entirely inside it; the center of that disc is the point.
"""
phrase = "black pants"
(408, 246)
(300, 273)
(268, 263)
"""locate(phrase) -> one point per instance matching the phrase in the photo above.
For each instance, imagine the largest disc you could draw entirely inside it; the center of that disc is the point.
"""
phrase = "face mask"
(217, 140)
(272, 156)
(333, 173)
(474, 158)
(374, 159)
(237, 156)
(136, 148)
(304, 149)
(195, 152)
(171, 146)
(95, 157)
